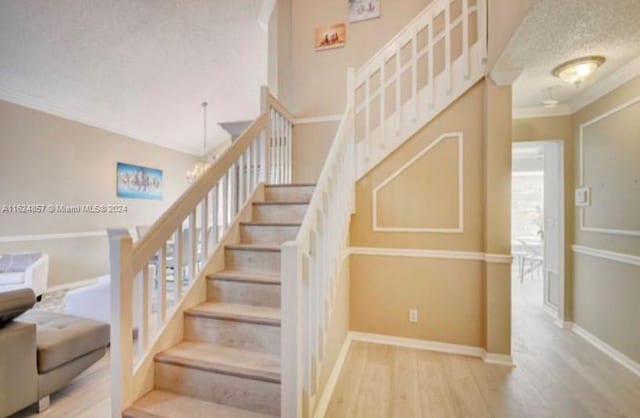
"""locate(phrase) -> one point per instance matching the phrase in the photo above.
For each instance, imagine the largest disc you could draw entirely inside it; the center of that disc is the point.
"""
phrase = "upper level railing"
(417, 74)
(149, 280)
(312, 266)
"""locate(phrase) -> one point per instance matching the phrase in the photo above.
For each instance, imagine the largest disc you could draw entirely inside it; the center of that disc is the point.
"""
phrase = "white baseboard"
(323, 402)
(499, 359)
(465, 350)
(616, 355)
(71, 285)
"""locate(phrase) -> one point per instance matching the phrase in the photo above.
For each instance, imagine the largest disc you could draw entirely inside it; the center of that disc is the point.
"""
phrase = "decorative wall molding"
(616, 355)
(437, 254)
(318, 119)
(50, 237)
(601, 88)
(460, 227)
(581, 171)
(634, 260)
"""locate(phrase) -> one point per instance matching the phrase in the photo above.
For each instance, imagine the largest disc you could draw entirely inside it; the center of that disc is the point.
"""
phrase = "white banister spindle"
(398, 78)
(144, 319)
(241, 180)
(447, 46)
(178, 254)
(465, 40)
(204, 226)
(430, 64)
(193, 246)
(215, 211)
(162, 286)
(414, 72)
(225, 203)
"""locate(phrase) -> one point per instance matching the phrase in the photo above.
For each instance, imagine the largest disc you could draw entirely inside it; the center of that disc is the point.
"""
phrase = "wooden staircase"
(228, 364)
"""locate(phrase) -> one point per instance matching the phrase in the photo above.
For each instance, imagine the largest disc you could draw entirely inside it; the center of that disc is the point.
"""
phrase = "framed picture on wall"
(360, 10)
(137, 182)
(329, 37)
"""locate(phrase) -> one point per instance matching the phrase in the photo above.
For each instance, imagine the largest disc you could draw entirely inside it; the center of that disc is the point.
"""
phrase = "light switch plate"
(583, 196)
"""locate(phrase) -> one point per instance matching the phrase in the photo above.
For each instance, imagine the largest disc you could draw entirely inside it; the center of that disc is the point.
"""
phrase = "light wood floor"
(558, 374)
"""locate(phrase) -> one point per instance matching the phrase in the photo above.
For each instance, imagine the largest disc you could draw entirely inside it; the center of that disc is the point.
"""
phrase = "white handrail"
(311, 267)
(149, 280)
(444, 60)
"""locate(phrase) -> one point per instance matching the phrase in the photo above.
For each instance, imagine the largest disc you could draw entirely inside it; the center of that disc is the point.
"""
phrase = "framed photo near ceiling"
(360, 10)
(137, 182)
(329, 37)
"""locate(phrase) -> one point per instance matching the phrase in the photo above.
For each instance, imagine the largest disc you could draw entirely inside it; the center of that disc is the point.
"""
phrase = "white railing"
(438, 56)
(149, 280)
(311, 268)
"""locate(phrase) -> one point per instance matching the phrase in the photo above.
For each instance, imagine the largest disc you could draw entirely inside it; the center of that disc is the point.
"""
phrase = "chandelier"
(205, 162)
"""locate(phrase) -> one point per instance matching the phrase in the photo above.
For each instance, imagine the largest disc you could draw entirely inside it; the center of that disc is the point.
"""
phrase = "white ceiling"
(139, 68)
(557, 31)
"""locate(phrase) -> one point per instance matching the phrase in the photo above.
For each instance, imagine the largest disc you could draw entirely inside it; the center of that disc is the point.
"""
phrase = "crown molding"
(606, 85)
(599, 89)
(21, 99)
(540, 111)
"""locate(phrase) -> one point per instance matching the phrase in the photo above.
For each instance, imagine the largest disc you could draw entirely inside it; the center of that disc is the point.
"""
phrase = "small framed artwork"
(333, 36)
(137, 182)
(360, 10)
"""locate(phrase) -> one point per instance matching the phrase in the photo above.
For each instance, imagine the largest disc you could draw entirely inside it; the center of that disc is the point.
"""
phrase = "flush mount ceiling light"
(578, 70)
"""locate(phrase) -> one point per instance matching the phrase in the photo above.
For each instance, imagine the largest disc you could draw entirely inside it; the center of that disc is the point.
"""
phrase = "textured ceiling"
(139, 67)
(559, 30)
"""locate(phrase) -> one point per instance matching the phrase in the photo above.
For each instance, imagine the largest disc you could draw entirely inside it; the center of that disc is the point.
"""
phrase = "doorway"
(537, 226)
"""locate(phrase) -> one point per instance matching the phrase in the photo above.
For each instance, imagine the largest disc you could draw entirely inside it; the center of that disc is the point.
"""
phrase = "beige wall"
(46, 159)
(504, 18)
(313, 83)
(602, 289)
(459, 301)
(597, 291)
(558, 128)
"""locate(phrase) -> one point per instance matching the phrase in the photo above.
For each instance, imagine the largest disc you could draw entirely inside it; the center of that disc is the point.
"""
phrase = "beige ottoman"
(67, 345)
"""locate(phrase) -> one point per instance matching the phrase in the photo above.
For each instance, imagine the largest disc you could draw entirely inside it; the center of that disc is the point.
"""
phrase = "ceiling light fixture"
(578, 70)
(205, 162)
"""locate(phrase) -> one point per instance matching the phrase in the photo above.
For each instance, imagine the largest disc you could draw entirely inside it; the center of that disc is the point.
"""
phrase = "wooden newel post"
(120, 252)
(266, 149)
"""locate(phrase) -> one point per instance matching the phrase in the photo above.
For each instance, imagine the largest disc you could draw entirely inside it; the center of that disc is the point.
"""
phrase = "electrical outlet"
(413, 315)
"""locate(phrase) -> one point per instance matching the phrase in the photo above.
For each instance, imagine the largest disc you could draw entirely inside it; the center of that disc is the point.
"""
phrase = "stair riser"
(235, 334)
(279, 213)
(243, 293)
(252, 234)
(289, 194)
(239, 392)
(252, 260)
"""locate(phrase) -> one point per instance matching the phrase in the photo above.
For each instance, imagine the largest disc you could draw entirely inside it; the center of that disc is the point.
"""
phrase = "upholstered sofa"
(24, 270)
(42, 352)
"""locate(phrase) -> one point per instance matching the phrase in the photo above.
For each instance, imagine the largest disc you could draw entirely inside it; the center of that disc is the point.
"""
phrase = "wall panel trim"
(318, 119)
(64, 235)
(459, 229)
(583, 227)
(438, 254)
(607, 255)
